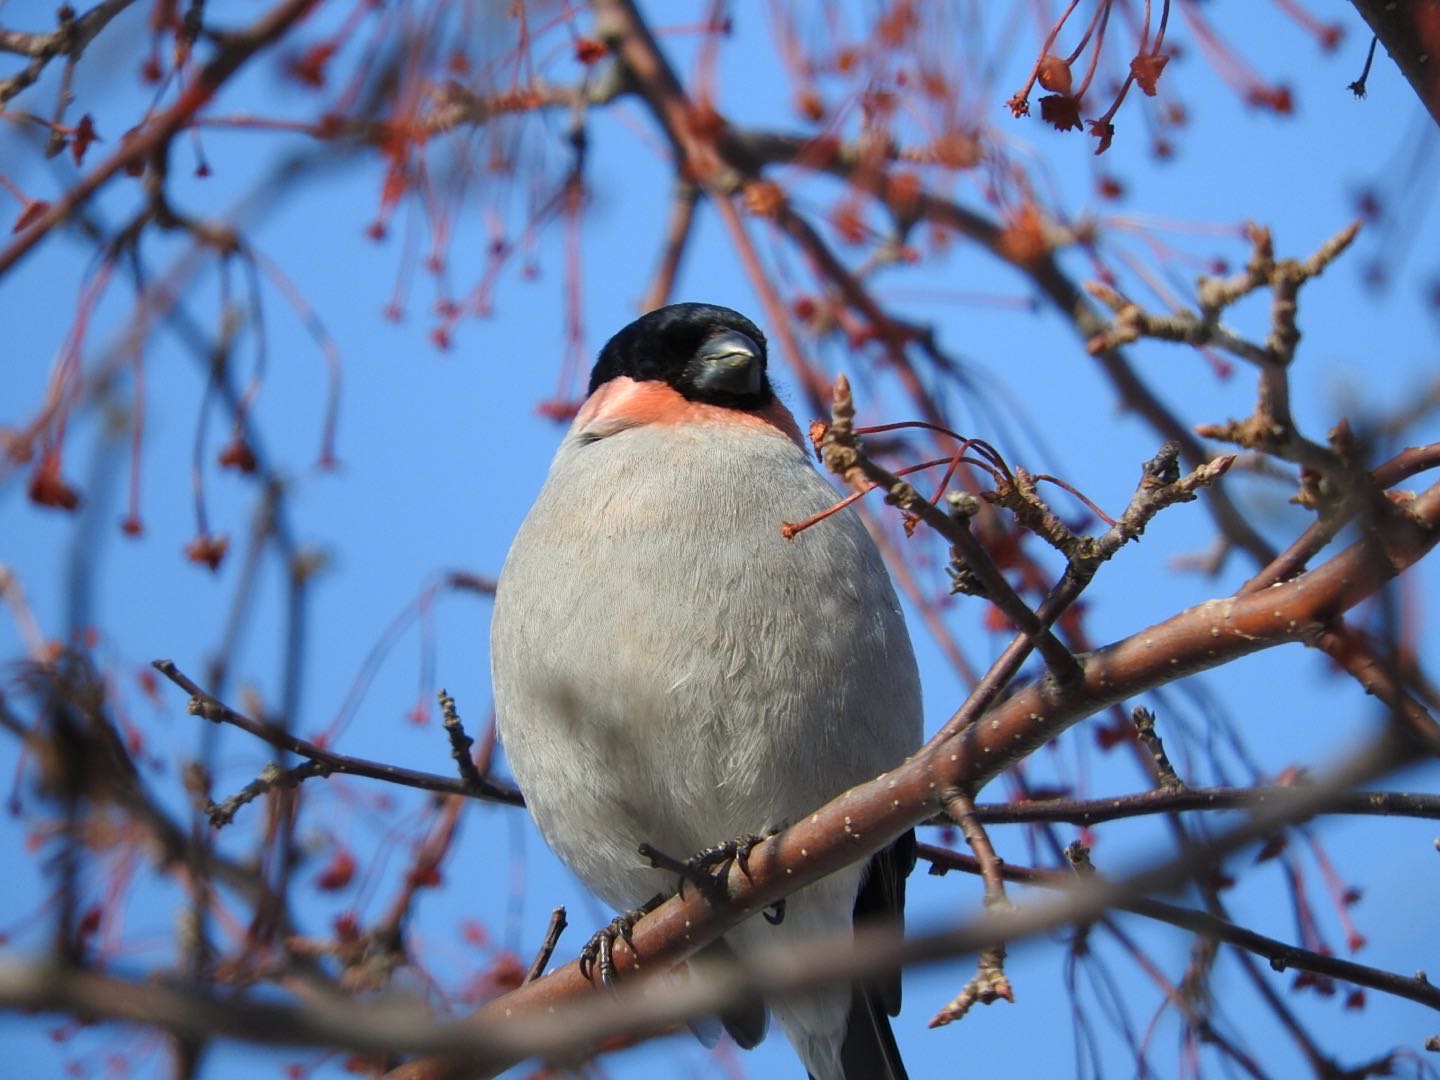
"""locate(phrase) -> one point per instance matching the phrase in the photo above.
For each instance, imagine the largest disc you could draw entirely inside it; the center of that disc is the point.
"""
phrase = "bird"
(670, 670)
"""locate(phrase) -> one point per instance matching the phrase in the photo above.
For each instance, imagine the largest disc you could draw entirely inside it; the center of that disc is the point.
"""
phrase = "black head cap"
(707, 353)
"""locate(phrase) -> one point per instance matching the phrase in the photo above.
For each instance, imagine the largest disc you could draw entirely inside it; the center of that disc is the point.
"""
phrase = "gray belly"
(668, 669)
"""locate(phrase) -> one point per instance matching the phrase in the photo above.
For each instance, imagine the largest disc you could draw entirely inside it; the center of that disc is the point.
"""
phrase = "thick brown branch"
(644, 1006)
(1410, 32)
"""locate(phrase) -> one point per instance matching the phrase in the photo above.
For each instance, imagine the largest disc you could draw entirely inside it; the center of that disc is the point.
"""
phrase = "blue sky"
(442, 451)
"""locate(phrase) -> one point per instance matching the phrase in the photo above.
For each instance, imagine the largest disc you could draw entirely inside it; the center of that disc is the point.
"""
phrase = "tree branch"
(867, 817)
(237, 49)
(1281, 955)
(1410, 32)
(202, 704)
(1166, 801)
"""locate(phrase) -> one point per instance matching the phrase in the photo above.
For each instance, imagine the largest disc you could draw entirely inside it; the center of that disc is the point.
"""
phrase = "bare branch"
(1407, 31)
(989, 983)
(547, 947)
(1180, 800)
(965, 756)
(163, 127)
(202, 704)
(1282, 956)
(69, 40)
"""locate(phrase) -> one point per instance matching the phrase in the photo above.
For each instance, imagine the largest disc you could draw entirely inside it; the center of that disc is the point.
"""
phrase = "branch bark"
(1410, 33)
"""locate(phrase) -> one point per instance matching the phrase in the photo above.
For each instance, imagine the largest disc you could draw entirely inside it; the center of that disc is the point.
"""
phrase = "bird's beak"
(730, 363)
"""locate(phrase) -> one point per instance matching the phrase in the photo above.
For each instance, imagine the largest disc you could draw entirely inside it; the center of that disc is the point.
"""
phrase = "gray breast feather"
(669, 669)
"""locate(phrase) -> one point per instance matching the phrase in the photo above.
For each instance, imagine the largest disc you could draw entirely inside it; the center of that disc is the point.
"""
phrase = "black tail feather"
(869, 1051)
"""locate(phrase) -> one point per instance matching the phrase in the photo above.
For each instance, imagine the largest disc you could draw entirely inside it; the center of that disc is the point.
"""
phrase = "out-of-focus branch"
(232, 55)
(646, 72)
(176, 850)
(677, 237)
(1282, 956)
(69, 39)
(454, 105)
(190, 1009)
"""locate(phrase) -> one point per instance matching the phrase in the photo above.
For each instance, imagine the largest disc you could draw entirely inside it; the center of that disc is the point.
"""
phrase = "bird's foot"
(717, 860)
(685, 871)
(598, 953)
(708, 868)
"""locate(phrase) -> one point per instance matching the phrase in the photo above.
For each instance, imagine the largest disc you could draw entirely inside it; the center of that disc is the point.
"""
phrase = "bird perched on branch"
(670, 671)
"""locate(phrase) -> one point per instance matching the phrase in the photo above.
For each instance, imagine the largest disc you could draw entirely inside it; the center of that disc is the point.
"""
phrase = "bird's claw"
(707, 868)
(721, 857)
(598, 955)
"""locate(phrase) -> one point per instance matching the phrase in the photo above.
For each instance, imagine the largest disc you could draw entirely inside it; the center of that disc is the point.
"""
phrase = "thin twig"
(202, 704)
(989, 984)
(677, 236)
(1164, 772)
(69, 40)
(845, 459)
(1162, 801)
(547, 947)
(270, 778)
(460, 742)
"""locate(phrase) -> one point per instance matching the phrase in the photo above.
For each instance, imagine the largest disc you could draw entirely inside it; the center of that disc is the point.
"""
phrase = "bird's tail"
(869, 1051)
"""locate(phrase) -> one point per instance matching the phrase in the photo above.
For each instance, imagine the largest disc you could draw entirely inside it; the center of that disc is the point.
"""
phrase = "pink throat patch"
(624, 403)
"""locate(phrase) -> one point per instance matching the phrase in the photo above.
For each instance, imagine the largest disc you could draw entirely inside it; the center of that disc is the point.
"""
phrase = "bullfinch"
(670, 671)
